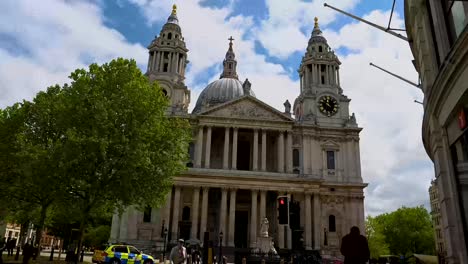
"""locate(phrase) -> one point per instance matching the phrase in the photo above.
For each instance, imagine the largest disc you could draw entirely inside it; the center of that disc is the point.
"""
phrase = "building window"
(147, 214)
(295, 158)
(330, 159)
(169, 36)
(186, 214)
(320, 48)
(331, 223)
(457, 14)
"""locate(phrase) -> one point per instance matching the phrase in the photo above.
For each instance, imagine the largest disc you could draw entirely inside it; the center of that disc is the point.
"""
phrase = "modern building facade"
(438, 38)
(437, 221)
(246, 153)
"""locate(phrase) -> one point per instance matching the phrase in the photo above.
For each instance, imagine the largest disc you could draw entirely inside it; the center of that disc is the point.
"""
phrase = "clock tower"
(321, 101)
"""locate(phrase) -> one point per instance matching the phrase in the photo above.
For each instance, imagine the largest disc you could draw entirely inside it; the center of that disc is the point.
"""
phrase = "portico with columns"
(245, 153)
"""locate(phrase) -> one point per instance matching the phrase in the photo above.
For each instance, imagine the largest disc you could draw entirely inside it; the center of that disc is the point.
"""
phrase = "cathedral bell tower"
(321, 101)
(167, 63)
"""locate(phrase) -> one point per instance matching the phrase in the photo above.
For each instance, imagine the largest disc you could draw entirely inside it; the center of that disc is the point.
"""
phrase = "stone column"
(156, 61)
(262, 205)
(204, 213)
(199, 148)
(208, 148)
(255, 150)
(169, 62)
(314, 73)
(226, 149)
(175, 214)
(196, 200)
(115, 229)
(280, 152)
(123, 226)
(232, 217)
(306, 154)
(317, 225)
(280, 236)
(289, 237)
(307, 77)
(176, 59)
(166, 212)
(264, 150)
(222, 213)
(308, 222)
(327, 75)
(253, 219)
(289, 159)
(234, 149)
(161, 61)
(338, 76)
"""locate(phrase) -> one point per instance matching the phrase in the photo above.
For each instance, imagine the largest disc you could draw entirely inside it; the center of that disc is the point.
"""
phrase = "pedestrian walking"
(2, 247)
(354, 247)
(179, 253)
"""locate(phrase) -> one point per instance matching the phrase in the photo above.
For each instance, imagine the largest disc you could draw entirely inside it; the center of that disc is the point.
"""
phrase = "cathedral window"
(147, 215)
(331, 223)
(295, 157)
(320, 48)
(176, 36)
(330, 159)
(186, 214)
(166, 66)
(169, 36)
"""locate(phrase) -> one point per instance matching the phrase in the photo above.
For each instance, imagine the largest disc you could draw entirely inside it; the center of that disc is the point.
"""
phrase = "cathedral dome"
(227, 88)
(218, 92)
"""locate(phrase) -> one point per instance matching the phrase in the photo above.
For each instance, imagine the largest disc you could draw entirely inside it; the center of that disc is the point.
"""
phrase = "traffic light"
(283, 210)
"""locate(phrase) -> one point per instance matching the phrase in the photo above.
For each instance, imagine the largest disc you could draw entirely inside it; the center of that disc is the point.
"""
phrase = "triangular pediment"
(330, 144)
(246, 107)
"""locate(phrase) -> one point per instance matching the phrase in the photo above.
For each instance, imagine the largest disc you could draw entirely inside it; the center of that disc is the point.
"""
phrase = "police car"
(123, 254)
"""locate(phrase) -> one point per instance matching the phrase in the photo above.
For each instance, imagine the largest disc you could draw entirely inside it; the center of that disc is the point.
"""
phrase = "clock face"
(328, 105)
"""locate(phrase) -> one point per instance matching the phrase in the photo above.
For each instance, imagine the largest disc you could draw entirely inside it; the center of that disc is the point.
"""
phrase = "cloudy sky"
(41, 42)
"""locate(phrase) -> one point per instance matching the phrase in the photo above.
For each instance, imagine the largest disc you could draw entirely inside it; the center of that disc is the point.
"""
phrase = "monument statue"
(264, 227)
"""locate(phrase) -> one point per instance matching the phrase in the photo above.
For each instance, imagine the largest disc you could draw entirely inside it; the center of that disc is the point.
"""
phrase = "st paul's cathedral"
(245, 154)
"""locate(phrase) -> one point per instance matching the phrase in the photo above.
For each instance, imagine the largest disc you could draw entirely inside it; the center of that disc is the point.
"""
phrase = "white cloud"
(280, 33)
(50, 40)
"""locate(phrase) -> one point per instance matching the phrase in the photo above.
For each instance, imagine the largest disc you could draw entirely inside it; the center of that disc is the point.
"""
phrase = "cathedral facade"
(245, 154)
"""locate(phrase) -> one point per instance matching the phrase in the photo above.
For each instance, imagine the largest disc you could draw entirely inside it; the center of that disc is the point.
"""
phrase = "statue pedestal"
(265, 245)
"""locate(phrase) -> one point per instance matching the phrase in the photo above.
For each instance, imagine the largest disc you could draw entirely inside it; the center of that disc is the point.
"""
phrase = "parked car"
(121, 254)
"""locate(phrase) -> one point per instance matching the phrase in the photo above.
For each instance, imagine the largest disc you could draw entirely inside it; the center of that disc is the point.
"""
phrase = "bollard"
(17, 253)
(51, 258)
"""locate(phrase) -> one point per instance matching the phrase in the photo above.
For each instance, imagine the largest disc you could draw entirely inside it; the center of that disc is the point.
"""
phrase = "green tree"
(118, 148)
(27, 143)
(375, 238)
(99, 144)
(408, 231)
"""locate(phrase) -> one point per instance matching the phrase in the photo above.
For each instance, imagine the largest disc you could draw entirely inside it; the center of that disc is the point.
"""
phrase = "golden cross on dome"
(174, 9)
(316, 22)
(230, 39)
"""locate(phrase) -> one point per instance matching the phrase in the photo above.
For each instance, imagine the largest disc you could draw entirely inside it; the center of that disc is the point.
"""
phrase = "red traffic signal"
(283, 210)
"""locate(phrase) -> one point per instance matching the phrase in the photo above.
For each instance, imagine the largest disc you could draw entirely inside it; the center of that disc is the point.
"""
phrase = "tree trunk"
(40, 228)
(81, 235)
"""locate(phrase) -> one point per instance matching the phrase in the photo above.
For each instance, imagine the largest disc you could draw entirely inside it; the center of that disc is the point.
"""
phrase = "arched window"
(169, 36)
(320, 48)
(164, 92)
(295, 157)
(331, 223)
(186, 214)
(147, 214)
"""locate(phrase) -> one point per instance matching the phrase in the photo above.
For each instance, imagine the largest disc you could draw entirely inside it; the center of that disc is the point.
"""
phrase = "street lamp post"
(220, 247)
(165, 239)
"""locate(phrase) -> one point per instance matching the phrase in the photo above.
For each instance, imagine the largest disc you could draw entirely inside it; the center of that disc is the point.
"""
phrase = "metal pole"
(165, 239)
(416, 101)
(367, 22)
(397, 76)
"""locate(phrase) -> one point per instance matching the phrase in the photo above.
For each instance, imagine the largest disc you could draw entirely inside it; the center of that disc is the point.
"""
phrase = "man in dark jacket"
(354, 247)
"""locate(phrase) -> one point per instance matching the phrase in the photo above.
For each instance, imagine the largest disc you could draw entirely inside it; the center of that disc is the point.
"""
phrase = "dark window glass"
(169, 36)
(147, 215)
(133, 250)
(456, 13)
(120, 249)
(331, 223)
(330, 159)
(296, 158)
(186, 214)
